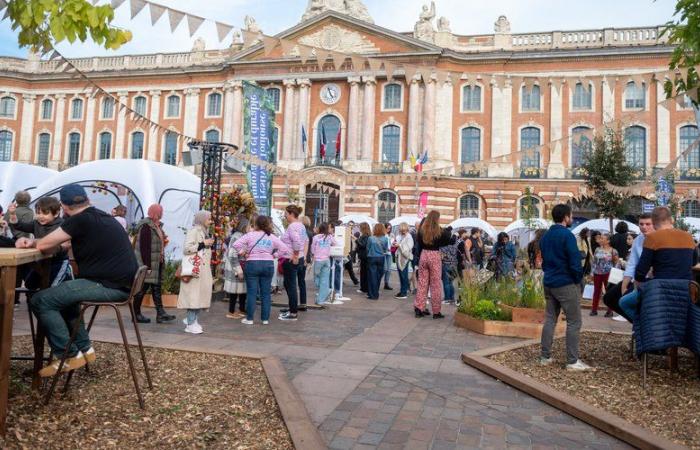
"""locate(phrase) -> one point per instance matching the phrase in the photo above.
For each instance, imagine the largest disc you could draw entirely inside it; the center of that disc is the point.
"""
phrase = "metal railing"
(325, 162)
(386, 167)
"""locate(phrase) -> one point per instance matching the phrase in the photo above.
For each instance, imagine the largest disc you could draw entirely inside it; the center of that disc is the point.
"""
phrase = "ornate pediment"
(339, 39)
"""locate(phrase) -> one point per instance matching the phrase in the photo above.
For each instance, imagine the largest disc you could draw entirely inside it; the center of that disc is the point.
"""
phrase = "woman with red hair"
(150, 252)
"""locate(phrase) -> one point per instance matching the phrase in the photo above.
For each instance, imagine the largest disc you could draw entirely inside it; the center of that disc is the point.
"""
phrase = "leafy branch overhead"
(683, 33)
(44, 23)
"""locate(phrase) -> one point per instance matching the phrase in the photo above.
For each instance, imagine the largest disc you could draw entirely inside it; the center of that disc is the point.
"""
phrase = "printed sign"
(259, 138)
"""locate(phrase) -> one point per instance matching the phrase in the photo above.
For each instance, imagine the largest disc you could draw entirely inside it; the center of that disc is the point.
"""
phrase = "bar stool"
(135, 289)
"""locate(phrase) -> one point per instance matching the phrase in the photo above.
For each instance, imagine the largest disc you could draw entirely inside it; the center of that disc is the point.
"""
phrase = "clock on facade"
(330, 94)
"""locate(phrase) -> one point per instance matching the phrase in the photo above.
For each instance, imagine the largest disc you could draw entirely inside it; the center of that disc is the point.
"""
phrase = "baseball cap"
(73, 194)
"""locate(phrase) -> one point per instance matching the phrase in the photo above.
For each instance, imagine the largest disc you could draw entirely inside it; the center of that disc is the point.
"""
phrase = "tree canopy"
(683, 32)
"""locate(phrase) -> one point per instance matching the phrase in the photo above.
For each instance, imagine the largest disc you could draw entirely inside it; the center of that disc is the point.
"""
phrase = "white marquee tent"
(412, 221)
(694, 224)
(471, 222)
(604, 226)
(524, 233)
(16, 176)
(137, 184)
(358, 219)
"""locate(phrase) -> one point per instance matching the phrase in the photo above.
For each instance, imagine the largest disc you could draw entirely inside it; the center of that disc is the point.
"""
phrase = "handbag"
(190, 267)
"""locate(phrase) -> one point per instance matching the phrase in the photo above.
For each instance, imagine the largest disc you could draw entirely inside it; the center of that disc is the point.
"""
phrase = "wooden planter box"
(505, 329)
(169, 301)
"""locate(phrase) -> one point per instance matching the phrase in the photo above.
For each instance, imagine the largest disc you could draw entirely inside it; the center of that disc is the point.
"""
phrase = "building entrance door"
(320, 206)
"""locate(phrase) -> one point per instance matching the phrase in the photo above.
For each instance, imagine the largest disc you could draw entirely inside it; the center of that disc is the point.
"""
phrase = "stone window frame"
(5, 95)
(98, 145)
(482, 93)
(13, 140)
(388, 123)
(481, 140)
(402, 94)
(133, 103)
(71, 118)
(38, 146)
(166, 112)
(131, 143)
(396, 202)
(66, 158)
(42, 109)
(480, 203)
(520, 100)
(645, 90)
(572, 95)
(208, 103)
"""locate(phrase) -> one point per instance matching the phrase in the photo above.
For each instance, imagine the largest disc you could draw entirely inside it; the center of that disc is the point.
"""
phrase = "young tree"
(606, 164)
(528, 211)
(44, 23)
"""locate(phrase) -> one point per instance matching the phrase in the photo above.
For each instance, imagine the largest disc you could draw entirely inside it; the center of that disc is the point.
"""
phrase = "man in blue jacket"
(561, 262)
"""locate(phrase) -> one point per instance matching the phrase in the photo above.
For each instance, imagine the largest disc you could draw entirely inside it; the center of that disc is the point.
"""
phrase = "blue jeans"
(291, 274)
(447, 285)
(337, 274)
(322, 278)
(375, 270)
(58, 308)
(628, 303)
(387, 269)
(403, 279)
(192, 315)
(258, 281)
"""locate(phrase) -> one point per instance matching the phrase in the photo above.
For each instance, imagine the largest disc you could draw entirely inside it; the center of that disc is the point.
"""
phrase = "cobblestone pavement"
(373, 376)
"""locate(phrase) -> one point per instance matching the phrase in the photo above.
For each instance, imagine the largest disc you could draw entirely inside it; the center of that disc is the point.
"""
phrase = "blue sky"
(273, 16)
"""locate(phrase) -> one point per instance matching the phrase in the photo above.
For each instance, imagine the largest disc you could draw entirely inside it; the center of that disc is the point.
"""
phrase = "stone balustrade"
(588, 38)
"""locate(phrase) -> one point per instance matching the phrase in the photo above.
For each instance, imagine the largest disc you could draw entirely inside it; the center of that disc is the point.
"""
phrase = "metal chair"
(136, 287)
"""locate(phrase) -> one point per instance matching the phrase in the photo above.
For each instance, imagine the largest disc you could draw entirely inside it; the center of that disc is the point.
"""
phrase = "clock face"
(330, 94)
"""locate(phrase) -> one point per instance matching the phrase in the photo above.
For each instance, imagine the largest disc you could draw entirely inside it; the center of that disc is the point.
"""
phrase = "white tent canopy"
(694, 224)
(150, 182)
(277, 215)
(412, 221)
(358, 219)
(16, 176)
(604, 226)
(523, 233)
(471, 222)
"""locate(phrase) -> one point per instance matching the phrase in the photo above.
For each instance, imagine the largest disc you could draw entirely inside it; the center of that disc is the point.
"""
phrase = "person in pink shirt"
(321, 249)
(293, 261)
(257, 248)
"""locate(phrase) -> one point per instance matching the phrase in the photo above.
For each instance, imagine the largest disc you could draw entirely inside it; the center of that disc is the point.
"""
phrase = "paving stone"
(443, 445)
(350, 432)
(378, 427)
(371, 438)
(342, 443)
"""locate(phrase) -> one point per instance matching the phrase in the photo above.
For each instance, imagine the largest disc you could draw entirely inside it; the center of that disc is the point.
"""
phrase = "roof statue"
(443, 25)
(352, 8)
(424, 29)
(502, 25)
(251, 25)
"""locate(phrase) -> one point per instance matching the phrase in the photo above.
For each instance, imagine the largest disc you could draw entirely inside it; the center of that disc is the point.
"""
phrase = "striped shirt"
(670, 253)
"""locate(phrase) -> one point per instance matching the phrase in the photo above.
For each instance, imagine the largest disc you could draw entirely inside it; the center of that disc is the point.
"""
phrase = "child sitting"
(46, 219)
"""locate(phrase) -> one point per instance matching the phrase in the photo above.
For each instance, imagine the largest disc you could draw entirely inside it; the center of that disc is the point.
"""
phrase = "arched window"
(690, 163)
(137, 145)
(386, 206)
(5, 145)
(7, 107)
(328, 128)
(583, 96)
(392, 96)
(275, 95)
(530, 98)
(76, 109)
(170, 153)
(140, 105)
(73, 149)
(635, 96)
(530, 206)
(173, 106)
(105, 145)
(212, 136)
(581, 146)
(471, 144)
(469, 206)
(108, 108)
(42, 157)
(635, 146)
(691, 208)
(529, 146)
(46, 109)
(391, 144)
(471, 98)
(214, 108)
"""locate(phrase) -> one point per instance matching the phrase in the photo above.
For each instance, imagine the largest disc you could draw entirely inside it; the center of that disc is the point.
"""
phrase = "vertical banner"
(422, 204)
(258, 129)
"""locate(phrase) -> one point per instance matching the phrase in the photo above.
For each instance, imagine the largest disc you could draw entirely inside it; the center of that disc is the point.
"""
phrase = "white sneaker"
(578, 366)
(184, 321)
(266, 322)
(546, 361)
(198, 327)
(247, 322)
(193, 329)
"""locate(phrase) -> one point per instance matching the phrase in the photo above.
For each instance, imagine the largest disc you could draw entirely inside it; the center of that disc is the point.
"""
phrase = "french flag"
(324, 142)
(337, 145)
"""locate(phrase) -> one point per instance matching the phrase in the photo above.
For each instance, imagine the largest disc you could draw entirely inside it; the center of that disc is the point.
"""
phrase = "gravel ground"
(198, 400)
(669, 406)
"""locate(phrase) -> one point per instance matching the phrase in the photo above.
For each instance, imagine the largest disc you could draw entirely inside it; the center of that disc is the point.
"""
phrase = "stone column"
(304, 109)
(443, 122)
(354, 120)
(152, 152)
(501, 120)
(88, 151)
(121, 150)
(608, 99)
(556, 166)
(191, 116)
(663, 130)
(27, 128)
(237, 115)
(413, 116)
(429, 120)
(368, 131)
(55, 156)
(228, 112)
(288, 144)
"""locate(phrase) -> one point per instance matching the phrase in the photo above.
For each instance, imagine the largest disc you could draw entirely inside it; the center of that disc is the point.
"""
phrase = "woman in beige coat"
(195, 295)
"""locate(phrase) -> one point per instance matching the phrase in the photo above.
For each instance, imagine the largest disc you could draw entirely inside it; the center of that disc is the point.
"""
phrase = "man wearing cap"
(106, 269)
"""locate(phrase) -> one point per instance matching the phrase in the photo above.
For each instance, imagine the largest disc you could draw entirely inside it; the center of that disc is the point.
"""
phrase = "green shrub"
(532, 291)
(171, 284)
(488, 310)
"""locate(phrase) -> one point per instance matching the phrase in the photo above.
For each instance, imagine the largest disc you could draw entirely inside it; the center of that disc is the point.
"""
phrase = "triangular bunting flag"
(410, 73)
(270, 43)
(338, 59)
(684, 73)
(175, 17)
(136, 7)
(54, 55)
(156, 12)
(116, 3)
(374, 65)
(389, 68)
(358, 62)
(304, 52)
(194, 22)
(287, 46)
(222, 30)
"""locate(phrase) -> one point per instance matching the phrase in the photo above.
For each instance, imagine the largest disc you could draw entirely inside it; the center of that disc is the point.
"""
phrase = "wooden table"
(10, 259)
